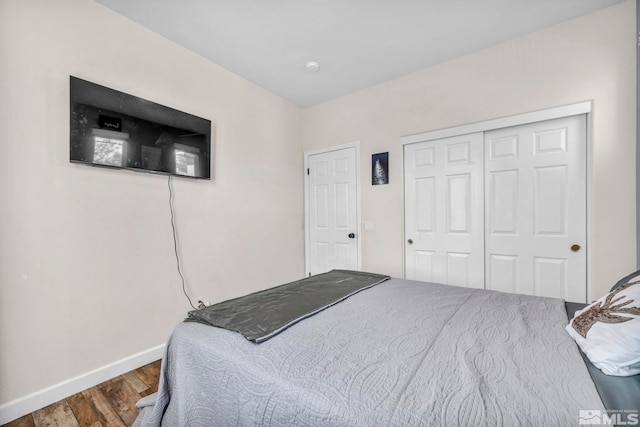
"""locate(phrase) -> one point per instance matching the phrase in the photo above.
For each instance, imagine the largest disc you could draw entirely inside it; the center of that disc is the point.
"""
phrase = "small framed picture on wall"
(380, 168)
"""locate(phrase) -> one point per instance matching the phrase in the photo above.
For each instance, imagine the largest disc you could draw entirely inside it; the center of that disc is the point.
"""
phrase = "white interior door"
(332, 213)
(536, 209)
(444, 216)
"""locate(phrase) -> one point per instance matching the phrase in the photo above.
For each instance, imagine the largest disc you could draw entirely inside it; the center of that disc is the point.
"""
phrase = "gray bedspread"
(402, 353)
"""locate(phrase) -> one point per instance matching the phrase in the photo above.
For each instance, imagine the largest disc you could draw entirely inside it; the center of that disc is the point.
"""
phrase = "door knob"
(575, 248)
(410, 241)
(352, 236)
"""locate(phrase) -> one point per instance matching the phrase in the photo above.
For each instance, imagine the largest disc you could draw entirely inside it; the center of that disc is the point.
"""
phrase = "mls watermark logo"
(588, 417)
(602, 418)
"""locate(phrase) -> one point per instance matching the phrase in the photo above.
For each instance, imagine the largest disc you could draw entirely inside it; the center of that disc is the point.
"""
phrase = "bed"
(400, 353)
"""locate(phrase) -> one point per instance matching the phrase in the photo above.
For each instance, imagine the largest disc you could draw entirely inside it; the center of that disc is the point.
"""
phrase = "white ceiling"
(358, 43)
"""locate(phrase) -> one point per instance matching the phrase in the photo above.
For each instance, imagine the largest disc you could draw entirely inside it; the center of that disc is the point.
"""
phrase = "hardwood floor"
(110, 404)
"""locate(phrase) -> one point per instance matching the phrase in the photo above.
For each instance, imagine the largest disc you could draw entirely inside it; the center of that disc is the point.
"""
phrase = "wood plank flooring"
(110, 404)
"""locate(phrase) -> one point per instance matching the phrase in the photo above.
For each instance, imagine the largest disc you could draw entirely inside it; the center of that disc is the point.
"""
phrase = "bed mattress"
(402, 353)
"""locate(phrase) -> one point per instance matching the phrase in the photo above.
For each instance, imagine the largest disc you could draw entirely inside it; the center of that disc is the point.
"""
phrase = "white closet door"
(444, 225)
(535, 204)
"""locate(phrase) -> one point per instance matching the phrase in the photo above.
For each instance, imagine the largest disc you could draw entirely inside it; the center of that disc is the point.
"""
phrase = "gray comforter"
(402, 353)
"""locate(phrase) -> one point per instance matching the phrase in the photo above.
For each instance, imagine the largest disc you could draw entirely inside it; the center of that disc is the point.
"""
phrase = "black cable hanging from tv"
(175, 243)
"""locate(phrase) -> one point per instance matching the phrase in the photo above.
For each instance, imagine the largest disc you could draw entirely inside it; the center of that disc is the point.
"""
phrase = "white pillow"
(608, 331)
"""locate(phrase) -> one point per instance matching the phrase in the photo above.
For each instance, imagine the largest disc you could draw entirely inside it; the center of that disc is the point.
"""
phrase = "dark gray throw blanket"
(262, 315)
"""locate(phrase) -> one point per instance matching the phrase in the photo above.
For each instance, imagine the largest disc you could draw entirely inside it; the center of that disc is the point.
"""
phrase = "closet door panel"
(503, 202)
(535, 196)
(444, 214)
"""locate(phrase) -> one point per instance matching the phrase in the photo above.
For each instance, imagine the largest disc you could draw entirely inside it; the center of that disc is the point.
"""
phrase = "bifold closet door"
(535, 209)
(444, 215)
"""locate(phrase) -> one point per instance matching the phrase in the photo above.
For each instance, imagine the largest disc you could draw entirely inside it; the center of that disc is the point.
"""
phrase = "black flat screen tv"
(115, 130)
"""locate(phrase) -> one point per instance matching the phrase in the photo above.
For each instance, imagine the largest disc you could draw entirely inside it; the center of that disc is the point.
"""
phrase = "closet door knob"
(575, 248)
(410, 241)
(352, 236)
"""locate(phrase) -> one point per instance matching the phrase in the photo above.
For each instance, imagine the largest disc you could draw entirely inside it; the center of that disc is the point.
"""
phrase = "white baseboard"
(25, 405)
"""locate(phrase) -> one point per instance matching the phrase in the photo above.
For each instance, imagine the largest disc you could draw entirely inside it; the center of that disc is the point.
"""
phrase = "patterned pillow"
(608, 331)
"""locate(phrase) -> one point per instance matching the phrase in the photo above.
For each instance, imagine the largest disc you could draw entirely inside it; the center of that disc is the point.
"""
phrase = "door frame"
(516, 120)
(307, 229)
